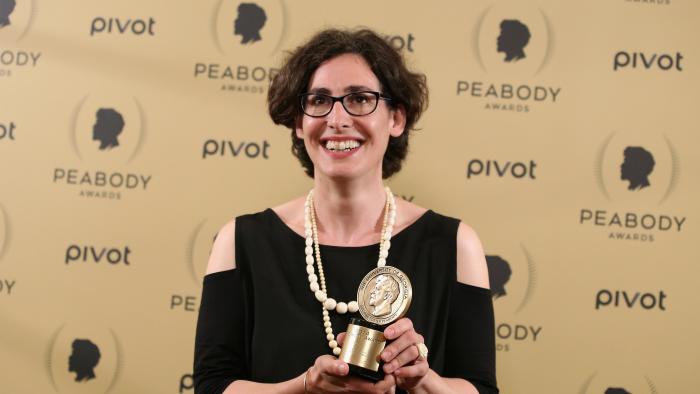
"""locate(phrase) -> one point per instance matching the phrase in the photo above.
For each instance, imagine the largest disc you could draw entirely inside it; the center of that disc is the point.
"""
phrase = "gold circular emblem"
(384, 295)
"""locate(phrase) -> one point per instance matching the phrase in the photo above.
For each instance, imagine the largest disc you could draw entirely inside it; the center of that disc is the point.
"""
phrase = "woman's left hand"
(401, 357)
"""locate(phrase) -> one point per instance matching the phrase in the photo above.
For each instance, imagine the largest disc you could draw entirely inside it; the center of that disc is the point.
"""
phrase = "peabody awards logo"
(252, 31)
(618, 381)
(16, 18)
(513, 279)
(83, 358)
(512, 43)
(106, 134)
(640, 171)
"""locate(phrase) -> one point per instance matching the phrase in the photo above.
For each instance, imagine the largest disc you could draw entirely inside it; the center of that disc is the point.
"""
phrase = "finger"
(329, 365)
(397, 329)
(386, 384)
(417, 370)
(406, 357)
(340, 338)
(408, 339)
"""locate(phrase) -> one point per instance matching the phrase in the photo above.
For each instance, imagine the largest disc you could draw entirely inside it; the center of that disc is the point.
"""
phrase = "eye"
(316, 100)
(360, 98)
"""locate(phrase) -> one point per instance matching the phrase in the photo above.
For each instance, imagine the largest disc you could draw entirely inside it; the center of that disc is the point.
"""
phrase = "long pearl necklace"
(311, 232)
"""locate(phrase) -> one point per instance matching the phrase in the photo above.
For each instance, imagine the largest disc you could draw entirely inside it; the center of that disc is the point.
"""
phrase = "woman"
(350, 103)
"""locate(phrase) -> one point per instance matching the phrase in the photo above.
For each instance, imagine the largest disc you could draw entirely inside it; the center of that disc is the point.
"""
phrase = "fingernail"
(341, 368)
(386, 355)
(389, 332)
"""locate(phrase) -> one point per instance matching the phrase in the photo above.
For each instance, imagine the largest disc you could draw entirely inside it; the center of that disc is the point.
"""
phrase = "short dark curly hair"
(406, 89)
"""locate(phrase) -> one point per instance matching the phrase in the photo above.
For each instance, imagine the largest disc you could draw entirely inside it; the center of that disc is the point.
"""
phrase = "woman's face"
(323, 136)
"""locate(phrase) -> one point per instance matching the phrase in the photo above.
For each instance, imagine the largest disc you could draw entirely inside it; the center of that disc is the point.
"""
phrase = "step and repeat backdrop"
(564, 132)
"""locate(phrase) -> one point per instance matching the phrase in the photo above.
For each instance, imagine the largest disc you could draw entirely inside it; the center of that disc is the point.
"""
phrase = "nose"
(338, 118)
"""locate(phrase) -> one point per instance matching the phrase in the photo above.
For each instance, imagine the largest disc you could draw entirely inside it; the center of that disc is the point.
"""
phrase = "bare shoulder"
(222, 255)
(471, 262)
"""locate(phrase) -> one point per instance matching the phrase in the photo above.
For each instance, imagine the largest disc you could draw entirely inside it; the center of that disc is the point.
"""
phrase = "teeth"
(342, 145)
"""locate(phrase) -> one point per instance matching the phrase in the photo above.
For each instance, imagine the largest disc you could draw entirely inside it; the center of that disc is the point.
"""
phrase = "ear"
(298, 129)
(397, 122)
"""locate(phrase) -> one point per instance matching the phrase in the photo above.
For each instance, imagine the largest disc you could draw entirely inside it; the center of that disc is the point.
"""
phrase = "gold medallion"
(384, 295)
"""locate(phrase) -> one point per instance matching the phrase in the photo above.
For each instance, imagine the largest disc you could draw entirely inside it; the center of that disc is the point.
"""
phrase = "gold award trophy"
(384, 296)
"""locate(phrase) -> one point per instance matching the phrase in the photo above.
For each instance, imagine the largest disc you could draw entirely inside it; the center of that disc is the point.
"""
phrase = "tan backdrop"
(594, 253)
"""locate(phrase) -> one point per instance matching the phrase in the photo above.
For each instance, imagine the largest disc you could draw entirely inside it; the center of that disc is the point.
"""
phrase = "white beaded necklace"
(311, 232)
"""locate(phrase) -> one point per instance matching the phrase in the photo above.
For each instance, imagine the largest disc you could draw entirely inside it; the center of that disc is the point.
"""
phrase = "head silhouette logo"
(6, 8)
(83, 359)
(108, 125)
(254, 29)
(513, 38)
(616, 380)
(638, 164)
(616, 390)
(499, 275)
(108, 128)
(251, 19)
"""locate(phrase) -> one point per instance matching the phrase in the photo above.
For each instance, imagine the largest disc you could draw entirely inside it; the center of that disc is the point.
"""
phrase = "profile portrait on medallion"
(637, 166)
(83, 359)
(383, 295)
(251, 19)
(108, 125)
(6, 8)
(513, 39)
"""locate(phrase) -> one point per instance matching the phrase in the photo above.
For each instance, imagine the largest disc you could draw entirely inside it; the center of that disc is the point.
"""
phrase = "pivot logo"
(138, 27)
(401, 43)
(108, 132)
(630, 300)
(244, 30)
(16, 18)
(640, 169)
(251, 150)
(250, 20)
(83, 358)
(513, 279)
(7, 131)
(113, 256)
(662, 61)
(513, 39)
(186, 383)
(501, 169)
(512, 43)
(618, 381)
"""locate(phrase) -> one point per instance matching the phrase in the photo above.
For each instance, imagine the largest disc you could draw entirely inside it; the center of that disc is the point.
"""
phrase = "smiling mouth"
(342, 146)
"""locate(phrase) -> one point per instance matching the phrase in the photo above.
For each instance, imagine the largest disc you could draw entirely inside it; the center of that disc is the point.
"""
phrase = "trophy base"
(363, 344)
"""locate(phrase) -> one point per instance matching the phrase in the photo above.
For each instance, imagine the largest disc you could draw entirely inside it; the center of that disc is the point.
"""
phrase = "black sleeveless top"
(261, 322)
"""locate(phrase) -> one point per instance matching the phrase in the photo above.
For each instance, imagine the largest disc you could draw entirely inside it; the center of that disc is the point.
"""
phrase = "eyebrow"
(349, 89)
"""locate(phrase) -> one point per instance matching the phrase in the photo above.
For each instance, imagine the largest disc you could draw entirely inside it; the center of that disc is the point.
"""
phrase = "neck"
(349, 213)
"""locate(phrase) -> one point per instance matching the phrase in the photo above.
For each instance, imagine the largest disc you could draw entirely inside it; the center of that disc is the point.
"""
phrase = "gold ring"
(422, 350)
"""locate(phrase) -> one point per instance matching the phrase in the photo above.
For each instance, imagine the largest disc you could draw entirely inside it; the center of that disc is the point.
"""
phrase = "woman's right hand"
(330, 375)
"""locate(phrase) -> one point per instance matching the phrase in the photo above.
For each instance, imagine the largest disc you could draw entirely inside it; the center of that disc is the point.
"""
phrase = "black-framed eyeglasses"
(363, 103)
